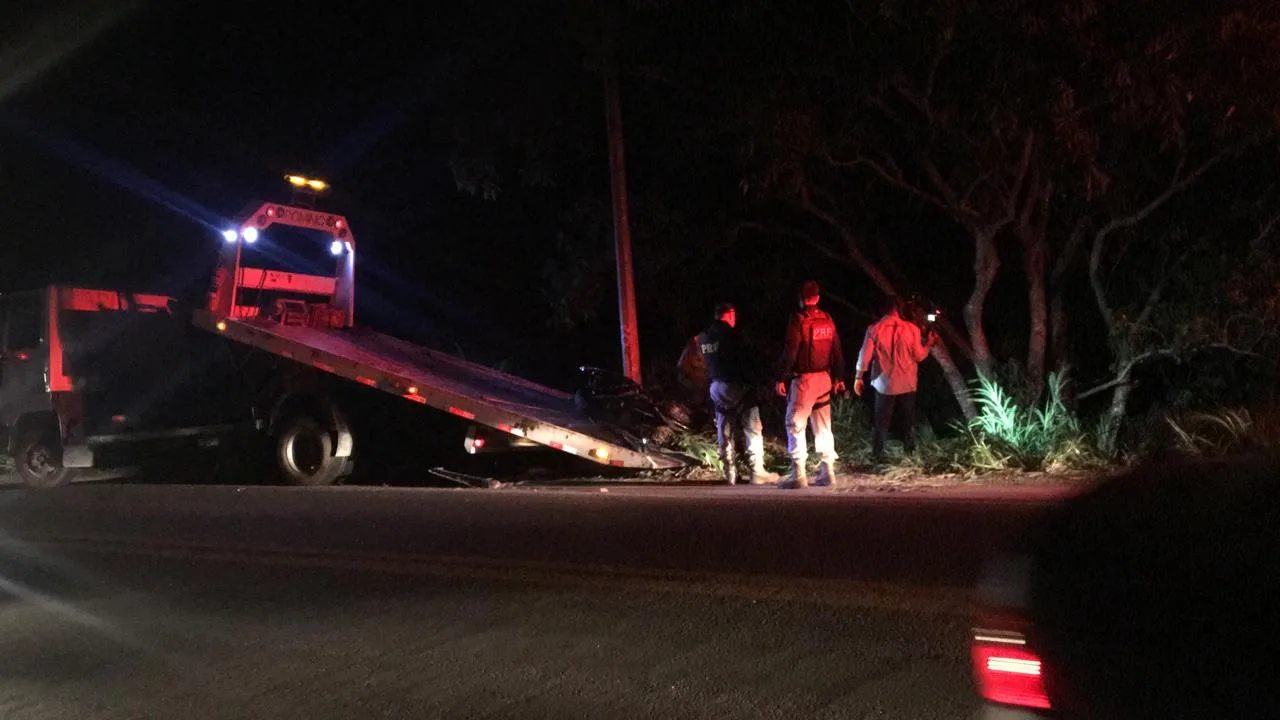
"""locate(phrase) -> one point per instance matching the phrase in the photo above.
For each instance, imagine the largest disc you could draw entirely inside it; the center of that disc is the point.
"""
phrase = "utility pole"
(621, 223)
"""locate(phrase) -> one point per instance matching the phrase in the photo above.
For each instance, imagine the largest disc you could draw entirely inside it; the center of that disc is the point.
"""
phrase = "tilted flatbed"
(323, 335)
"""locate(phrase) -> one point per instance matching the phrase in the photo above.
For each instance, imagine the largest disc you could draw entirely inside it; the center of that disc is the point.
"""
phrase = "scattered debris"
(465, 480)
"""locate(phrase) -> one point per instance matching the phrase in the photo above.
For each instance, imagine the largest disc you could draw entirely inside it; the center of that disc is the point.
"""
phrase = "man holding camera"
(892, 352)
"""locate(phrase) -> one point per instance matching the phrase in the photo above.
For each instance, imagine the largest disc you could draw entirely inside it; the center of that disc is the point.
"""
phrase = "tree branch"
(848, 304)
(888, 170)
(1020, 179)
(1268, 227)
(1229, 348)
(1102, 388)
(1126, 373)
(1153, 298)
(1066, 257)
(942, 186)
(795, 234)
(1177, 184)
(968, 193)
(852, 246)
(655, 75)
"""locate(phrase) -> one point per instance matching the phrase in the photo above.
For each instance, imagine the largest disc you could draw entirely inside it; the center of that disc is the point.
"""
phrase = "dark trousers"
(884, 407)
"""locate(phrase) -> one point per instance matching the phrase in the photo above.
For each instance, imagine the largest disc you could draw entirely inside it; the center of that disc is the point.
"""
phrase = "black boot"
(730, 473)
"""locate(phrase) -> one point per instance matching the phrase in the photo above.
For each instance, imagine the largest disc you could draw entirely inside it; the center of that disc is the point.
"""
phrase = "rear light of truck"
(1007, 671)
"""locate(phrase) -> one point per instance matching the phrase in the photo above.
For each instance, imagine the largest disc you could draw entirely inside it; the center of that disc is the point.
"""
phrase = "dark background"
(122, 161)
(466, 144)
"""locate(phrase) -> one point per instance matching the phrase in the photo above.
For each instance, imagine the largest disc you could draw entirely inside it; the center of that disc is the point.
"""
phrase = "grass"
(851, 426)
(1224, 432)
(1008, 435)
(702, 447)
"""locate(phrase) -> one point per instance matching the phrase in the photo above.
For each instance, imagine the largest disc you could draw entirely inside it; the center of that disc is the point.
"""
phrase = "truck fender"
(45, 420)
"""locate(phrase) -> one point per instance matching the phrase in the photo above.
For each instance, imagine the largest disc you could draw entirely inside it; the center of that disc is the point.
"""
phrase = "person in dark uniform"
(733, 395)
(812, 368)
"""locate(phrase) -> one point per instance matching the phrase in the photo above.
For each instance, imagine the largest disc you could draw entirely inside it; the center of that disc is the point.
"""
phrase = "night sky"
(123, 159)
(121, 162)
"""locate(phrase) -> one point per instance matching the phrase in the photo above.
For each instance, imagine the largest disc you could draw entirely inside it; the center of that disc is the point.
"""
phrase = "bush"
(1225, 432)
(1006, 435)
(851, 426)
(702, 446)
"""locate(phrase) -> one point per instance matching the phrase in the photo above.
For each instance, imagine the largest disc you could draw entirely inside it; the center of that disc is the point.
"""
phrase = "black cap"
(809, 290)
(723, 308)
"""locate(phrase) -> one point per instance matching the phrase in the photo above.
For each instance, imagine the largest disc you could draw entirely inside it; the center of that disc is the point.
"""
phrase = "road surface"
(130, 601)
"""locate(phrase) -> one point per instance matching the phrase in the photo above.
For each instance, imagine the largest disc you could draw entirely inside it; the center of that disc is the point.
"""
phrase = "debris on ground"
(465, 480)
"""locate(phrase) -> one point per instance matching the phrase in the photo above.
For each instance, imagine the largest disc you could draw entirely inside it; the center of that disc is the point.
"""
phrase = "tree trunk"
(1059, 341)
(955, 379)
(1036, 301)
(986, 263)
(872, 270)
(1119, 406)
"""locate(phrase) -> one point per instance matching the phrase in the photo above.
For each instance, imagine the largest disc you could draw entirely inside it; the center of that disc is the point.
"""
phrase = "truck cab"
(101, 378)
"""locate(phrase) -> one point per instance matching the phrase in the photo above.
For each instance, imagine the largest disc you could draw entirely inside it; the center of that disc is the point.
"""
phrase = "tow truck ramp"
(315, 325)
(540, 414)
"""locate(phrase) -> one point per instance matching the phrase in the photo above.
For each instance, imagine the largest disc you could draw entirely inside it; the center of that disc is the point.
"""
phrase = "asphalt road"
(129, 601)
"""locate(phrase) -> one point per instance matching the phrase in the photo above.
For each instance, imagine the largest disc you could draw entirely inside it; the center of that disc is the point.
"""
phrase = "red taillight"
(478, 442)
(1007, 672)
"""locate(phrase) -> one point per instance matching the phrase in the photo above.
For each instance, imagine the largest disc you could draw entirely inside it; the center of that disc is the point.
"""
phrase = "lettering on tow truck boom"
(306, 218)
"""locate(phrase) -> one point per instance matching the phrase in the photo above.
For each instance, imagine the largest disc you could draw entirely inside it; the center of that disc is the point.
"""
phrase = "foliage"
(851, 425)
(936, 456)
(1008, 435)
(1120, 148)
(1105, 436)
(1211, 433)
(1224, 432)
(1076, 140)
(702, 447)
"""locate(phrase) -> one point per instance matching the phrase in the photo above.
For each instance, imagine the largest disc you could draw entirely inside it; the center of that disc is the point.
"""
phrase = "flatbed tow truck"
(306, 324)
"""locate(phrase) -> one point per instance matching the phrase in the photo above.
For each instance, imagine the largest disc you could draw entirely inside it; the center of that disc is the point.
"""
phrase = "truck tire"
(38, 461)
(304, 453)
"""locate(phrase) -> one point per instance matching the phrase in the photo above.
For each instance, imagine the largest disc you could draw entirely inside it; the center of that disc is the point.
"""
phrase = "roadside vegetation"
(1010, 436)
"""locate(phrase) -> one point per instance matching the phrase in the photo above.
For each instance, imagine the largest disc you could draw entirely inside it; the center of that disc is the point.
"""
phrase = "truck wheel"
(304, 454)
(38, 461)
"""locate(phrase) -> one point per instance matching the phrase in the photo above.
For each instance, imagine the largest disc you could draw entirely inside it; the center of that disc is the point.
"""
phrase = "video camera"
(925, 312)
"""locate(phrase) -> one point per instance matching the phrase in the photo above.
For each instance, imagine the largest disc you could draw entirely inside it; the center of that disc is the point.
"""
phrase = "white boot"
(760, 476)
(826, 474)
(799, 477)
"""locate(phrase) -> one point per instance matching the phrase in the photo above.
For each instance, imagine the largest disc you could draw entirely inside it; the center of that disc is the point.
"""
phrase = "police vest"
(817, 340)
(722, 353)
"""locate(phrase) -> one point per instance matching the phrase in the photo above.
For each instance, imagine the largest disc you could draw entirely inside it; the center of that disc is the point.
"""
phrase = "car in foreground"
(1155, 594)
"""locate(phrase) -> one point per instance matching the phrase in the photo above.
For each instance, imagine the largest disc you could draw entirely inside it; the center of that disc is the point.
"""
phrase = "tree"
(1039, 132)
(1168, 127)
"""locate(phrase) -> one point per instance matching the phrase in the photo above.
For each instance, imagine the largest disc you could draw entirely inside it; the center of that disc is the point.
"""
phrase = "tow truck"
(294, 335)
